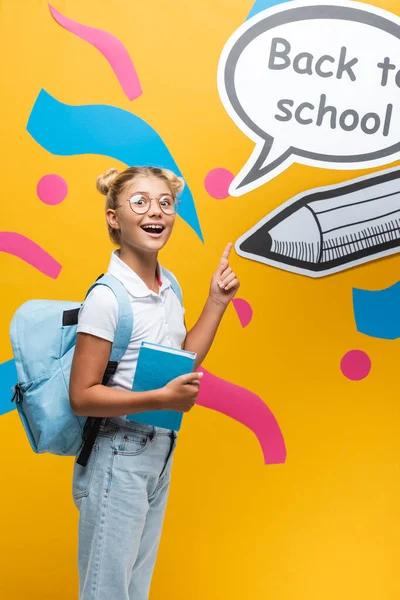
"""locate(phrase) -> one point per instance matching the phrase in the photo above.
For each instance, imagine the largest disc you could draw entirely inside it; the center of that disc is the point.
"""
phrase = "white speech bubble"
(316, 83)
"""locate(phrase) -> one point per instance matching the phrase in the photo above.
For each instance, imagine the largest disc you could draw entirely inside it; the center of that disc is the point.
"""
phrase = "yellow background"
(320, 527)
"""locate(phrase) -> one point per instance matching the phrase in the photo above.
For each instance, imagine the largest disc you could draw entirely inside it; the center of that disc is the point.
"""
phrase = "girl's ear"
(112, 218)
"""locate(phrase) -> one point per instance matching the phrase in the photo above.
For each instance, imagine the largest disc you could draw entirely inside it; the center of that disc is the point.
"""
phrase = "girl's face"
(150, 231)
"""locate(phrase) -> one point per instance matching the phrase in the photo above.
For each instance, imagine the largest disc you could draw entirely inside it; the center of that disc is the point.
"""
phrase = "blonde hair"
(112, 182)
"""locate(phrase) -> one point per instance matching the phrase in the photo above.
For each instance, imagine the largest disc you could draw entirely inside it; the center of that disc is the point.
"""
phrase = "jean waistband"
(142, 427)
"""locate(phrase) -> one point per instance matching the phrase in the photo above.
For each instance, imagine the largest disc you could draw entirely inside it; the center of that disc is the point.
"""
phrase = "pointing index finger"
(226, 252)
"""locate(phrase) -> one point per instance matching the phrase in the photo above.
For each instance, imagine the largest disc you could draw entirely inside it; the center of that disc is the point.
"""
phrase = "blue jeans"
(121, 495)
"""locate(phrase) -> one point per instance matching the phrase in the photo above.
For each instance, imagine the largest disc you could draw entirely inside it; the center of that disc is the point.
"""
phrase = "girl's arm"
(224, 285)
(88, 397)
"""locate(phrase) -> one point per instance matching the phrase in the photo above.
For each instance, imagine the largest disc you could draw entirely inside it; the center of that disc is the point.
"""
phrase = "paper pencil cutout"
(326, 230)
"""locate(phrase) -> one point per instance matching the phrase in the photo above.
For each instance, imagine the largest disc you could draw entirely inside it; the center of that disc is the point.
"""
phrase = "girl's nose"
(155, 209)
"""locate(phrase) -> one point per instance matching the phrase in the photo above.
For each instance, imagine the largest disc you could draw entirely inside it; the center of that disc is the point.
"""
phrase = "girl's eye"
(138, 200)
(166, 201)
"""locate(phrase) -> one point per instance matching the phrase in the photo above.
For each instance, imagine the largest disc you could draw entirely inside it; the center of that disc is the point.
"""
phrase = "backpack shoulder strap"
(174, 284)
(124, 329)
(122, 337)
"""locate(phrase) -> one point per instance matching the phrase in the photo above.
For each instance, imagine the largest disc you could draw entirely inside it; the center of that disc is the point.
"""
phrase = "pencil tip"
(260, 243)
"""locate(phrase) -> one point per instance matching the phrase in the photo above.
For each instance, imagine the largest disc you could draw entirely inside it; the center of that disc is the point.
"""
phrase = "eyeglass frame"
(176, 203)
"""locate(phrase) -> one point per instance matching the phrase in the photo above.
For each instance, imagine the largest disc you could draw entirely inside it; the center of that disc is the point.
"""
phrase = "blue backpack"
(43, 336)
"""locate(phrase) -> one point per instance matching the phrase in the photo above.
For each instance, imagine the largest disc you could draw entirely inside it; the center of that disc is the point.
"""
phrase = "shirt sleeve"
(99, 314)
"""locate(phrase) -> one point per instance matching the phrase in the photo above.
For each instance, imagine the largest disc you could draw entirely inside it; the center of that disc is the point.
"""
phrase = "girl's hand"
(181, 393)
(224, 283)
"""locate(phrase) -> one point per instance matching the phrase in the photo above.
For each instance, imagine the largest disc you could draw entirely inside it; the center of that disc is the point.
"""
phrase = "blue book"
(158, 365)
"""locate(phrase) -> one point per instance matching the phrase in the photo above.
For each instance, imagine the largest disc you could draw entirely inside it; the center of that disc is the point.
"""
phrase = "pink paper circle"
(52, 189)
(217, 183)
(244, 310)
(355, 365)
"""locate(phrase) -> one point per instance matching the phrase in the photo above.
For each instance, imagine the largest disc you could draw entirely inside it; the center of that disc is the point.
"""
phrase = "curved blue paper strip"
(260, 5)
(107, 130)
(377, 313)
(8, 378)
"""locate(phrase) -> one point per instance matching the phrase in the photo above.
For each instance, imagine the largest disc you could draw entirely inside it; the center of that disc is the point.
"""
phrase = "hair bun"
(177, 183)
(104, 181)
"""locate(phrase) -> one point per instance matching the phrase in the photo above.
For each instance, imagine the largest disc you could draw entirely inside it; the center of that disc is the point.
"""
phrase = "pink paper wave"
(25, 249)
(247, 408)
(110, 47)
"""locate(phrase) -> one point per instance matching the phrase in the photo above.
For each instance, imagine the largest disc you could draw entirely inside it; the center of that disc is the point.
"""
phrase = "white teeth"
(156, 227)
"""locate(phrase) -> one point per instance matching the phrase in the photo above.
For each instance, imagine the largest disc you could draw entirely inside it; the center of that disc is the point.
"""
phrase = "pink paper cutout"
(244, 310)
(25, 249)
(355, 365)
(247, 408)
(217, 183)
(110, 47)
(52, 189)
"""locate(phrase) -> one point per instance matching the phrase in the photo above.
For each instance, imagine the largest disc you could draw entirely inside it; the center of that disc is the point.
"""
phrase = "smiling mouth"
(153, 230)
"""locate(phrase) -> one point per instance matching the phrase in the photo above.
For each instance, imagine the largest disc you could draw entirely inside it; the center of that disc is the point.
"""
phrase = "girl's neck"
(144, 265)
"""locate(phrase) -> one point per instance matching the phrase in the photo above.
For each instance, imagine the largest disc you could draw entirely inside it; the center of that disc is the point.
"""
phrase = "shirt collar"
(131, 280)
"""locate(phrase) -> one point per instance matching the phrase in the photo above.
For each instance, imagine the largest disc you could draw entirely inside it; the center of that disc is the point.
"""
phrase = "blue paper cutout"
(8, 378)
(377, 313)
(67, 130)
(260, 5)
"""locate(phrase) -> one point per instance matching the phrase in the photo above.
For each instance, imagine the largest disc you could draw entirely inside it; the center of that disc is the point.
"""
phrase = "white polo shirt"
(157, 318)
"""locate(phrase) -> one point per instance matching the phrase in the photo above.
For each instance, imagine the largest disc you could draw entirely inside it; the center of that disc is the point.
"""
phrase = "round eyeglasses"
(140, 203)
